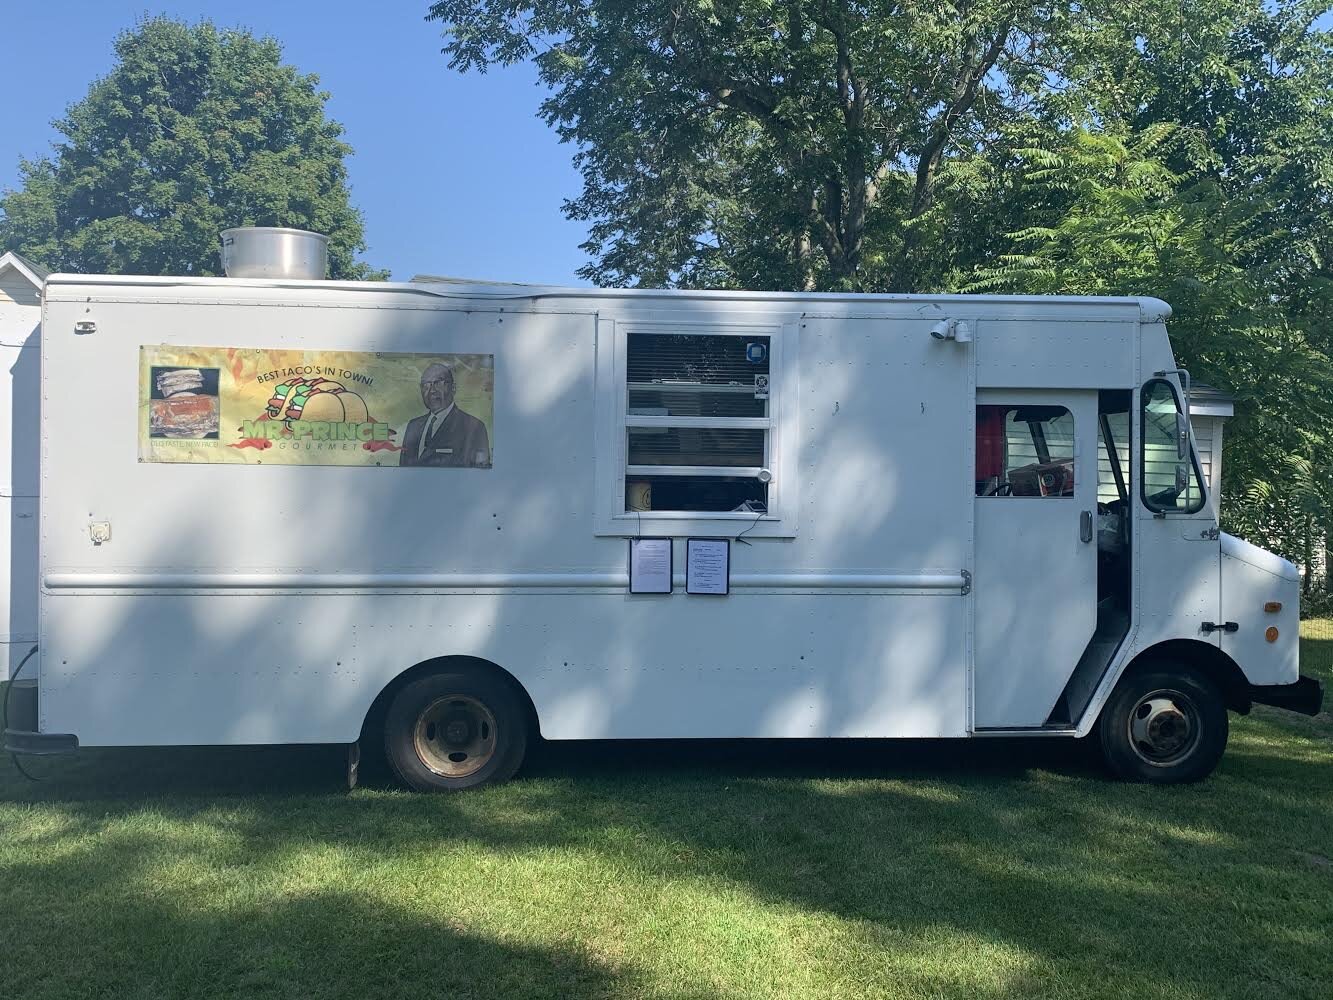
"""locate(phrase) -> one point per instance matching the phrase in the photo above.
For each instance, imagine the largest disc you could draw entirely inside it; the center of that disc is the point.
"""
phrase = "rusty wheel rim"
(455, 736)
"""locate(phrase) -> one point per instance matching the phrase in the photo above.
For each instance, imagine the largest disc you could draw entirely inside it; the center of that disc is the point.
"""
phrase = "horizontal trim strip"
(477, 581)
(1065, 731)
(632, 520)
(732, 471)
(851, 581)
(717, 423)
(701, 388)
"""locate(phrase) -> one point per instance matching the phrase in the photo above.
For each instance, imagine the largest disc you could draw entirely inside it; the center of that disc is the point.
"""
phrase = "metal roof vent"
(271, 252)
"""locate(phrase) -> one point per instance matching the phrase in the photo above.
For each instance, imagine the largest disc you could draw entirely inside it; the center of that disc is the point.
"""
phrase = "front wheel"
(455, 730)
(1166, 725)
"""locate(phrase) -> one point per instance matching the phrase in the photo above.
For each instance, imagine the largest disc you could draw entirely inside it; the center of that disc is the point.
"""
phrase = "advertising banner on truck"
(242, 406)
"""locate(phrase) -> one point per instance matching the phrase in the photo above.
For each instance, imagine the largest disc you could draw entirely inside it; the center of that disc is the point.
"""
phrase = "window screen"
(697, 422)
(1025, 451)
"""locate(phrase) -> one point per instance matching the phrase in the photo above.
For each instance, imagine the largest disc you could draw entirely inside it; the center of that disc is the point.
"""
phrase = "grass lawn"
(719, 870)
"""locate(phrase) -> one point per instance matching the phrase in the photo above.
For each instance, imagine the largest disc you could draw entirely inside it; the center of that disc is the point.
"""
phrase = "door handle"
(1085, 526)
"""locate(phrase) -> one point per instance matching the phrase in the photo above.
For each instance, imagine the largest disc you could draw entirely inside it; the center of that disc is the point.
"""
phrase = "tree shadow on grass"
(915, 851)
(839, 759)
(161, 772)
(327, 944)
(154, 772)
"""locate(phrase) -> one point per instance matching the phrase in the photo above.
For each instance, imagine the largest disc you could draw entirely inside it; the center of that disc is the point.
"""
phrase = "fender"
(1236, 689)
(1305, 696)
(374, 712)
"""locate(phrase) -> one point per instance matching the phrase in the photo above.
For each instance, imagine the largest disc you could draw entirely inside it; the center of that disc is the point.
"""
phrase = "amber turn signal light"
(1273, 606)
(1271, 633)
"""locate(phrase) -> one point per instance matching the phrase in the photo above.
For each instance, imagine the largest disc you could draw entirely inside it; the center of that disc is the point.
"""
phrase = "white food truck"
(452, 517)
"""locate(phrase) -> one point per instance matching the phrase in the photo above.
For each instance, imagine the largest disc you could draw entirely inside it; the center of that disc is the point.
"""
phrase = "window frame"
(614, 422)
(1204, 496)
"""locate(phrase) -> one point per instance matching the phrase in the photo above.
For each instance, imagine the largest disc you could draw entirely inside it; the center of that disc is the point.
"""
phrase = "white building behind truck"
(446, 517)
(20, 323)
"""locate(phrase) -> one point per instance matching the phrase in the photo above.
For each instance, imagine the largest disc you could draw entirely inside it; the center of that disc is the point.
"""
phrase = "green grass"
(719, 870)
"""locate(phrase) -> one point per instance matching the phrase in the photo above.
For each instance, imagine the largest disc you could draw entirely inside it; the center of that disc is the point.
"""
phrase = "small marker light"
(1273, 607)
(1271, 633)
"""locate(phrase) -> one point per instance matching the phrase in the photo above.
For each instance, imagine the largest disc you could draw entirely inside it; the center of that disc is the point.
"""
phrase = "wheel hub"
(457, 731)
(1164, 727)
(455, 736)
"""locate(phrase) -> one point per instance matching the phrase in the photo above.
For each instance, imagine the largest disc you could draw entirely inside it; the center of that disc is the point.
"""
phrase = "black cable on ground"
(9, 688)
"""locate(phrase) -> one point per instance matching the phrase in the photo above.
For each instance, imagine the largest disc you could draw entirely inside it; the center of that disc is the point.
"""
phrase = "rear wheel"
(1164, 724)
(455, 730)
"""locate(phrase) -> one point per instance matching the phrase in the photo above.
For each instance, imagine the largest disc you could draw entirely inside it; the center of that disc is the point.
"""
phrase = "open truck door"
(1036, 552)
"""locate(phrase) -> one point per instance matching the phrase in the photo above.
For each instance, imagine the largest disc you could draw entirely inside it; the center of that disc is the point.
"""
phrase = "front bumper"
(1305, 696)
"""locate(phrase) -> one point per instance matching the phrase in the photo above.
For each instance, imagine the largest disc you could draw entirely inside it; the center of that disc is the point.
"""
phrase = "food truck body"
(433, 514)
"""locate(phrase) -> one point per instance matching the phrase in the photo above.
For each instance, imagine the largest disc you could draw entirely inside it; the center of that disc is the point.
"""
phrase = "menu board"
(707, 566)
(650, 565)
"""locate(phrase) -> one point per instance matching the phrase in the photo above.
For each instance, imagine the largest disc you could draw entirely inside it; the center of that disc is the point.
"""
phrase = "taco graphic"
(316, 399)
(316, 410)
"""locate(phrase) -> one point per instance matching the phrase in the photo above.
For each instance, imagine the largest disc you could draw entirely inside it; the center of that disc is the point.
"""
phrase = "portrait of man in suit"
(444, 436)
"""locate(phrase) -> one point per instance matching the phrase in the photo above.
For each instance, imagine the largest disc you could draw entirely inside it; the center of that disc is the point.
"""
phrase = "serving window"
(696, 429)
(697, 422)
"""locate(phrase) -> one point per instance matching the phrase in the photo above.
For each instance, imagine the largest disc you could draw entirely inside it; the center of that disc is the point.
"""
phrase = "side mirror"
(1182, 478)
(1182, 435)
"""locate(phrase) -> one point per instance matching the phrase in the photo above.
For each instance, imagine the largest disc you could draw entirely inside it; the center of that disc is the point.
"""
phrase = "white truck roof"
(1151, 310)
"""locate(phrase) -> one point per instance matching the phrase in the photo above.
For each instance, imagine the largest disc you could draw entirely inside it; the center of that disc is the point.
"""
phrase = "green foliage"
(1212, 191)
(1177, 148)
(751, 143)
(195, 130)
(1127, 224)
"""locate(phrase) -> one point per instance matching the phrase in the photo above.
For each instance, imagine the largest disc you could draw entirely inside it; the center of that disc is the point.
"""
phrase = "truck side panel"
(238, 669)
(191, 624)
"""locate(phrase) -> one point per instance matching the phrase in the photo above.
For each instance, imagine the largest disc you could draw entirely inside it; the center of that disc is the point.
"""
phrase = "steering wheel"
(1000, 490)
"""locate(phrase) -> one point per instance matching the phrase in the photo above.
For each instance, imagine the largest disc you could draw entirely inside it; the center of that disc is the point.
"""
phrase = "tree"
(1177, 148)
(1208, 181)
(797, 144)
(194, 131)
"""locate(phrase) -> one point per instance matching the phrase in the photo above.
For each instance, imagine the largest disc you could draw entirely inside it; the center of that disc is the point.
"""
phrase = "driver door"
(1035, 583)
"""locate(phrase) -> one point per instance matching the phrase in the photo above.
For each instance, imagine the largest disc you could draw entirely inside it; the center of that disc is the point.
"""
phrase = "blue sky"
(455, 173)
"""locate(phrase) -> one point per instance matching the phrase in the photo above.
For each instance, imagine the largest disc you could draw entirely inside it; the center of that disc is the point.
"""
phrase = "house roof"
(21, 265)
(1207, 401)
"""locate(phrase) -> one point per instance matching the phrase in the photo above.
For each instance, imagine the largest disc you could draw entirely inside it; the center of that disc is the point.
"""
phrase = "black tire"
(1164, 724)
(454, 730)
